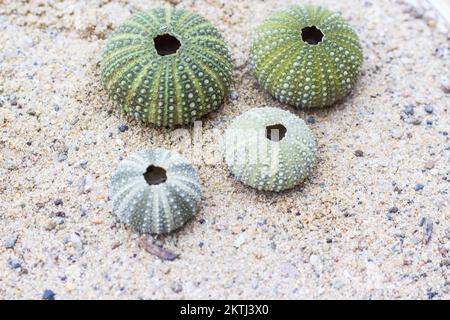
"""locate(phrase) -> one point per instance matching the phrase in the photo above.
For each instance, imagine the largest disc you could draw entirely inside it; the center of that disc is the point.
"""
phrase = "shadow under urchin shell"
(155, 191)
(167, 66)
(270, 149)
(306, 56)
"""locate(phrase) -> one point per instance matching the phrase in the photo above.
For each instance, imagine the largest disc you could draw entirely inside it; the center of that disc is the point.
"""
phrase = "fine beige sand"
(359, 227)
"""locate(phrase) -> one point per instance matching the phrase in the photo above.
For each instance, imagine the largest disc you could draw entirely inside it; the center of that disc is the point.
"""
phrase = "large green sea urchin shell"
(306, 56)
(155, 191)
(270, 149)
(167, 66)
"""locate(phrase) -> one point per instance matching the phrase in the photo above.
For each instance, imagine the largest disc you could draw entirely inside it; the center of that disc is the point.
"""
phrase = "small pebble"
(74, 239)
(234, 95)
(428, 231)
(409, 109)
(56, 107)
(83, 211)
(359, 153)
(15, 264)
(428, 108)
(446, 85)
(419, 187)
(311, 120)
(314, 259)
(393, 210)
(116, 245)
(50, 226)
(48, 295)
(2, 101)
(429, 164)
(417, 122)
(84, 164)
(60, 214)
(10, 241)
(58, 202)
(431, 294)
(240, 240)
(62, 157)
(123, 128)
(176, 287)
(430, 122)
(13, 100)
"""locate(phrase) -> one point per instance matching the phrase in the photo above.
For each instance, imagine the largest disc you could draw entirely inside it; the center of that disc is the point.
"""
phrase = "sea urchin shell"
(155, 191)
(306, 56)
(270, 149)
(167, 66)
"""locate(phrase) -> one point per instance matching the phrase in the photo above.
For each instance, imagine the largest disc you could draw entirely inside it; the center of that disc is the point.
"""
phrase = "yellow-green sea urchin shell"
(167, 66)
(155, 191)
(306, 56)
(270, 149)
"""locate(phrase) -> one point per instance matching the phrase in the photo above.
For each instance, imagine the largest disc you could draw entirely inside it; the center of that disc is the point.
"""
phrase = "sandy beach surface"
(372, 222)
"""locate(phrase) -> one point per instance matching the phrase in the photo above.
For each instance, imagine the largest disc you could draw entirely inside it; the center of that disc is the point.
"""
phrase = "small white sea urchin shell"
(270, 149)
(155, 191)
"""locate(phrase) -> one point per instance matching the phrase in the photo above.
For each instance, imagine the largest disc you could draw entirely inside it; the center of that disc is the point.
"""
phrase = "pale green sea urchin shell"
(306, 56)
(270, 149)
(167, 66)
(155, 191)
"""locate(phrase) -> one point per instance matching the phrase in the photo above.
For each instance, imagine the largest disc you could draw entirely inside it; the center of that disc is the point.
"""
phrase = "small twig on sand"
(158, 251)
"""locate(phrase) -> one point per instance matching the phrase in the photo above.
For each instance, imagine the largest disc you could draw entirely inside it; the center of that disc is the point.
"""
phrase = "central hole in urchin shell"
(312, 35)
(166, 44)
(276, 132)
(155, 175)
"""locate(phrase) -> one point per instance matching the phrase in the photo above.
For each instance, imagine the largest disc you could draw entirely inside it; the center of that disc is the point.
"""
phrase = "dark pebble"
(419, 187)
(84, 164)
(83, 211)
(60, 214)
(48, 295)
(431, 294)
(430, 122)
(123, 128)
(329, 240)
(13, 100)
(29, 143)
(311, 120)
(14, 264)
(56, 107)
(58, 202)
(428, 108)
(359, 153)
(202, 221)
(409, 109)
(393, 210)
(201, 244)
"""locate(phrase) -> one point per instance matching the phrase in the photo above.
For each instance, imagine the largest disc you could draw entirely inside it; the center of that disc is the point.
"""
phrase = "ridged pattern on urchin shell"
(302, 74)
(159, 208)
(265, 164)
(167, 90)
